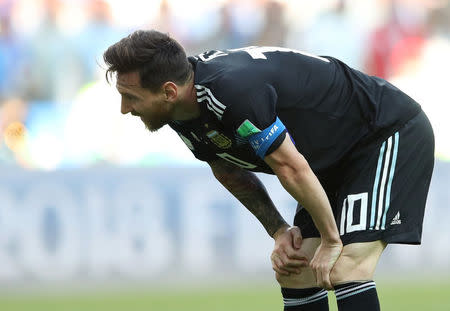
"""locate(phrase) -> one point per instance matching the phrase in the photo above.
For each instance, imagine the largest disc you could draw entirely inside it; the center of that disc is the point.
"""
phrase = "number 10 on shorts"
(354, 213)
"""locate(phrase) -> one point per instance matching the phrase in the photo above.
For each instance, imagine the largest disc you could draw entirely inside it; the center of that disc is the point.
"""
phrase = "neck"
(188, 107)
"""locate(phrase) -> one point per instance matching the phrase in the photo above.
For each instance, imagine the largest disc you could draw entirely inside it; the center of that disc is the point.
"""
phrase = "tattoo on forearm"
(249, 190)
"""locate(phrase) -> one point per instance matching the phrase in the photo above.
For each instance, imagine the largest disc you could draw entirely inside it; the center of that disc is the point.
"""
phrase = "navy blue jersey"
(251, 98)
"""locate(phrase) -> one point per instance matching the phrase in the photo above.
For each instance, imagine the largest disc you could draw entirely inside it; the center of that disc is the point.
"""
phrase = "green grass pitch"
(398, 296)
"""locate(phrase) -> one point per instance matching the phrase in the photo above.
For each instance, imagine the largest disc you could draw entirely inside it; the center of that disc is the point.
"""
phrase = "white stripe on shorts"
(381, 193)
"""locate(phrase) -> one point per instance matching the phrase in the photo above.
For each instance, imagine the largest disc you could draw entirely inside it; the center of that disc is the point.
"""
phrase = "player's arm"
(249, 190)
(299, 180)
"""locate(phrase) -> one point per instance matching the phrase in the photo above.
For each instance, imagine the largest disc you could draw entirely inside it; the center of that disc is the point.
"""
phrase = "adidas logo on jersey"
(396, 220)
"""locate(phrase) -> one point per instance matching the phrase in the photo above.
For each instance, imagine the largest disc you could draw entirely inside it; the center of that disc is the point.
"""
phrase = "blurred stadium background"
(97, 214)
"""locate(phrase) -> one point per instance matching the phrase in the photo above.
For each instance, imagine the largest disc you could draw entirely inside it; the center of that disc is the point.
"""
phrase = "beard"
(154, 124)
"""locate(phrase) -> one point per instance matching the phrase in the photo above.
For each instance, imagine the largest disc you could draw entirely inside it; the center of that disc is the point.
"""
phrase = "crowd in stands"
(57, 111)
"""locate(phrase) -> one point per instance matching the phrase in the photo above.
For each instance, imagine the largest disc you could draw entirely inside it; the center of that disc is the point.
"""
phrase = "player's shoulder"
(228, 70)
(222, 66)
(222, 80)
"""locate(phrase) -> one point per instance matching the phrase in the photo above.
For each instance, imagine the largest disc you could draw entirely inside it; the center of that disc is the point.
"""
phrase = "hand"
(323, 262)
(287, 257)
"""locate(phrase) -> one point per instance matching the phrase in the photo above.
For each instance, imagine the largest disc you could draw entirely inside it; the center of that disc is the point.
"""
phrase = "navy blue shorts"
(380, 189)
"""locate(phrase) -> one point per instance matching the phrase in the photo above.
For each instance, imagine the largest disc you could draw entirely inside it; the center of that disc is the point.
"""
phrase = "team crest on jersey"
(219, 139)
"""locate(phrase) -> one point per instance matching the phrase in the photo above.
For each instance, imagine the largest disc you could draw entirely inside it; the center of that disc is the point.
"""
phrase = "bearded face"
(152, 108)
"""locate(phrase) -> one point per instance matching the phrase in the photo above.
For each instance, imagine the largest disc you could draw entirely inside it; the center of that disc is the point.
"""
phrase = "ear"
(170, 90)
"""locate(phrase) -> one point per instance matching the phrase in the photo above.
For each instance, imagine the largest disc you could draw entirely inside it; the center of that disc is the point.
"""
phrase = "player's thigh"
(306, 278)
(384, 186)
(357, 262)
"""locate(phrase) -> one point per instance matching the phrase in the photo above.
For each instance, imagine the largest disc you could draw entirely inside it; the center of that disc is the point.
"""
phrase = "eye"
(128, 97)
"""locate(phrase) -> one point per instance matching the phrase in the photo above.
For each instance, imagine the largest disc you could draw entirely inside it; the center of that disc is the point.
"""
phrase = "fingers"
(323, 279)
(287, 257)
(323, 262)
(298, 257)
(321, 275)
(281, 263)
(296, 236)
(292, 258)
(277, 265)
(326, 281)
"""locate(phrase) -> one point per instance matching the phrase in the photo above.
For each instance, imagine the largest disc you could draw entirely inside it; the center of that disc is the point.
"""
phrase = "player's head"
(149, 66)
(155, 56)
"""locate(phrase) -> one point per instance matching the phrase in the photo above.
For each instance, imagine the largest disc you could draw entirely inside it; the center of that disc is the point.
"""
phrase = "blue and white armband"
(261, 140)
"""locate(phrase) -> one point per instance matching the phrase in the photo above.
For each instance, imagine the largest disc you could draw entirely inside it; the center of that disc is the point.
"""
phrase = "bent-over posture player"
(355, 152)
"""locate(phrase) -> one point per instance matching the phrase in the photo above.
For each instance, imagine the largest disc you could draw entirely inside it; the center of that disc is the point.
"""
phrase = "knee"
(305, 279)
(281, 279)
(286, 280)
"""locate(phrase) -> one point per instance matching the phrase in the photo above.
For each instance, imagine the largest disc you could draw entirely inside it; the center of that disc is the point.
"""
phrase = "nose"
(125, 108)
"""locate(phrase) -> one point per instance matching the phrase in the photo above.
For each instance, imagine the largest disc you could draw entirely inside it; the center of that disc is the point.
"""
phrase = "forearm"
(299, 180)
(249, 190)
(306, 189)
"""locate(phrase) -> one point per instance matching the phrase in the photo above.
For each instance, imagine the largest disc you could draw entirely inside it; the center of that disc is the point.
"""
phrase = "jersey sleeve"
(197, 148)
(252, 116)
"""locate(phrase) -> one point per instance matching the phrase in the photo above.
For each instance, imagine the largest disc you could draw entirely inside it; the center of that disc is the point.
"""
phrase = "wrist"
(280, 231)
(331, 239)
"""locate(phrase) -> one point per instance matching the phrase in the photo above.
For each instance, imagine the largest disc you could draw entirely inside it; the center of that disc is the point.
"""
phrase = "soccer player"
(355, 152)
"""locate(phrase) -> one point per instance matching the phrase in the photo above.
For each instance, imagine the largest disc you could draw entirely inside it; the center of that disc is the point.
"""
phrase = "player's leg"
(382, 198)
(352, 276)
(357, 262)
(306, 278)
(380, 195)
(300, 291)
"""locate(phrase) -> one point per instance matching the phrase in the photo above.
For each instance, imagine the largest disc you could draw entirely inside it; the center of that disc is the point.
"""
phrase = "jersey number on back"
(256, 52)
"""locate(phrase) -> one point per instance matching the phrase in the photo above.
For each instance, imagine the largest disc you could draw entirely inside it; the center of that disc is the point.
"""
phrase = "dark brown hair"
(155, 56)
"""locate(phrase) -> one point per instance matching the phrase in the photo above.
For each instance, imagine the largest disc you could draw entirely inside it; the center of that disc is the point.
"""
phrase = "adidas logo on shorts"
(396, 220)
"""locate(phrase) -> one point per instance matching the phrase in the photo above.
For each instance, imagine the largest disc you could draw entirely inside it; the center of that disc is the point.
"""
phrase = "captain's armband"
(261, 140)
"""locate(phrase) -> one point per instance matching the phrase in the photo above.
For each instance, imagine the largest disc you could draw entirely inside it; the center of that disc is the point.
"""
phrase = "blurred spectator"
(403, 31)
(51, 57)
(13, 147)
(165, 20)
(247, 20)
(334, 33)
(55, 73)
(439, 20)
(12, 54)
(423, 74)
(96, 36)
(233, 24)
(224, 37)
(274, 29)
